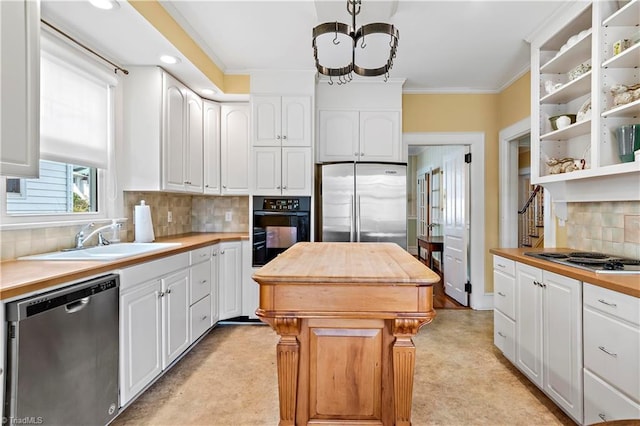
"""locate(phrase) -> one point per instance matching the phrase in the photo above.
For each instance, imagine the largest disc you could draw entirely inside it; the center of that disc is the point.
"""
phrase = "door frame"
(508, 182)
(479, 300)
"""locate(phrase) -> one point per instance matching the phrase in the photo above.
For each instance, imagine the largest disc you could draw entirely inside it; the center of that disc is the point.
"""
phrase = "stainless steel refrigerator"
(362, 202)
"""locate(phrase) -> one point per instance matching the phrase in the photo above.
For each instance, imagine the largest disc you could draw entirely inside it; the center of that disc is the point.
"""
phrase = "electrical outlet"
(228, 216)
(169, 217)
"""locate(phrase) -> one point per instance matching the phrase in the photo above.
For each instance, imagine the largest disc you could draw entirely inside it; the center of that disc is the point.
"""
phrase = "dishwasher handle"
(78, 305)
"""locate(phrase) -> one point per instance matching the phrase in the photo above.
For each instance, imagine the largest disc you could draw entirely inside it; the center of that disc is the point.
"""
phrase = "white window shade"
(74, 110)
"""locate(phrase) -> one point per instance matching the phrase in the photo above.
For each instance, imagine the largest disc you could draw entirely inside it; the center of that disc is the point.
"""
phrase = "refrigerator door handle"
(351, 211)
(358, 220)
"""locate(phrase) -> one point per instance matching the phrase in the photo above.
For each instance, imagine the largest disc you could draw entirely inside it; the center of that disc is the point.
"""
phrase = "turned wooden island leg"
(404, 360)
(288, 356)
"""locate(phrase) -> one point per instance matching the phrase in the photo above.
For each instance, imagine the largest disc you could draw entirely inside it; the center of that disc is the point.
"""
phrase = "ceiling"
(445, 46)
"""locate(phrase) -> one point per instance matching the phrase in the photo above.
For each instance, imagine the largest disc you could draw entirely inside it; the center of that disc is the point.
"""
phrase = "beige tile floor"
(229, 379)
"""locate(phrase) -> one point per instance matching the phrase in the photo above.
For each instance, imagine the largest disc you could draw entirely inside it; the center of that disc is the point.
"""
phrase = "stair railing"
(531, 218)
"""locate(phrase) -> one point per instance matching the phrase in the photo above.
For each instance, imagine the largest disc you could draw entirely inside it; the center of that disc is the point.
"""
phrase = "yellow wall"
(487, 113)
(157, 16)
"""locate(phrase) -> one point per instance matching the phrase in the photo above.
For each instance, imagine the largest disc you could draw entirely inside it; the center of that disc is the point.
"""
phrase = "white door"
(176, 315)
(140, 338)
(267, 170)
(529, 322)
(173, 151)
(211, 148)
(215, 284)
(234, 149)
(230, 269)
(193, 173)
(455, 224)
(296, 121)
(296, 171)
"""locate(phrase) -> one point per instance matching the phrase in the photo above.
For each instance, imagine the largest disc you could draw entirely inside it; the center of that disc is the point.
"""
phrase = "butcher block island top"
(346, 314)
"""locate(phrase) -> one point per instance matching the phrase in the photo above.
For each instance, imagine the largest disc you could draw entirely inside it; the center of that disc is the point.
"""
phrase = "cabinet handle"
(284, 137)
(284, 187)
(203, 281)
(355, 153)
(501, 334)
(536, 283)
(502, 294)
(161, 294)
(224, 186)
(613, 305)
(221, 251)
(362, 154)
(168, 291)
(500, 265)
(204, 255)
(1, 371)
(278, 187)
(204, 317)
(603, 349)
(278, 137)
(602, 416)
(206, 186)
(187, 182)
(215, 253)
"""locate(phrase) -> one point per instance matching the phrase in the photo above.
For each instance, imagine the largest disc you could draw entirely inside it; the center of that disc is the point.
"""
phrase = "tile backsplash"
(609, 227)
(190, 213)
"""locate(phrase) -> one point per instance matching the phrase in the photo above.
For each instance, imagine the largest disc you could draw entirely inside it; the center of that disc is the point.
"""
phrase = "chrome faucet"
(102, 241)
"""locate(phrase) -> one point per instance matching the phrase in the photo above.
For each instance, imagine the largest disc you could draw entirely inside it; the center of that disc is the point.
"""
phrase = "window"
(76, 131)
(61, 188)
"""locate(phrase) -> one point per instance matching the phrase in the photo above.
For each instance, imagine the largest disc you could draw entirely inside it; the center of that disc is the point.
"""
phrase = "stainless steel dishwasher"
(63, 355)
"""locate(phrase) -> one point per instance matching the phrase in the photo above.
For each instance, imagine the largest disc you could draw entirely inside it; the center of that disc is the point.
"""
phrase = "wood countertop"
(19, 277)
(347, 263)
(627, 284)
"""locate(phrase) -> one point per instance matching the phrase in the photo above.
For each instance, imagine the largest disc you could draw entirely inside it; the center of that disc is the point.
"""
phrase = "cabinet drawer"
(504, 293)
(200, 255)
(604, 403)
(614, 303)
(612, 351)
(200, 318)
(200, 281)
(504, 332)
(505, 265)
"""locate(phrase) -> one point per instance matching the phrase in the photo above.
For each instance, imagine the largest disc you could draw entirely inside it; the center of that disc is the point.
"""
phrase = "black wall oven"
(278, 223)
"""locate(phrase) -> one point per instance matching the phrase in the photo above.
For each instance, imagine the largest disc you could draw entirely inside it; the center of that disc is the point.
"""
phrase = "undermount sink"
(108, 252)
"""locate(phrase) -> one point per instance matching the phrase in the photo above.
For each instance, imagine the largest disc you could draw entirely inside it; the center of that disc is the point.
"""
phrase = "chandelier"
(358, 40)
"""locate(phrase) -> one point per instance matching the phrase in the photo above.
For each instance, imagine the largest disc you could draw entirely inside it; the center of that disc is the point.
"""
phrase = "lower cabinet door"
(140, 338)
(504, 335)
(176, 315)
(200, 318)
(603, 403)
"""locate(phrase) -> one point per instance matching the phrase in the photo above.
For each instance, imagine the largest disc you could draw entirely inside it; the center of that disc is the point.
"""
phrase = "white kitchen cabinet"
(154, 308)
(549, 335)
(182, 138)
(281, 171)
(250, 289)
(230, 279)
(359, 136)
(211, 147)
(584, 34)
(611, 355)
(200, 291)
(140, 338)
(281, 120)
(175, 299)
(20, 88)
(234, 149)
(504, 286)
(162, 144)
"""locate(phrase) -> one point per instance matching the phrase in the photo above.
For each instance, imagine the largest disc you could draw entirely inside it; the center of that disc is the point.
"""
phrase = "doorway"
(479, 298)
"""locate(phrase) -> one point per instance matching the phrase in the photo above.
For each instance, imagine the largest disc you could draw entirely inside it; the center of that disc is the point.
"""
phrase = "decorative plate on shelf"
(584, 113)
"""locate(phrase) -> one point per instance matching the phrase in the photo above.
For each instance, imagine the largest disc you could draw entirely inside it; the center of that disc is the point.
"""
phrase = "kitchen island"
(346, 314)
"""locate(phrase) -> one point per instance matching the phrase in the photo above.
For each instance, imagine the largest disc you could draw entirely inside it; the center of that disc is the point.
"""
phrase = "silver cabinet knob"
(203, 281)
(284, 187)
(278, 137)
(362, 154)
(224, 186)
(161, 294)
(168, 291)
(206, 186)
(221, 251)
(284, 137)
(355, 153)
(215, 253)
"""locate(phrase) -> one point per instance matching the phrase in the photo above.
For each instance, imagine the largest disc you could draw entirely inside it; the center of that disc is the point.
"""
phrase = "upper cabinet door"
(338, 131)
(193, 144)
(380, 136)
(20, 88)
(296, 121)
(267, 130)
(234, 149)
(173, 136)
(211, 147)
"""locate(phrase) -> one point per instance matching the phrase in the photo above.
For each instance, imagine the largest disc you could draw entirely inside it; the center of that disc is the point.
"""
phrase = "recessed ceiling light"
(168, 59)
(105, 4)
